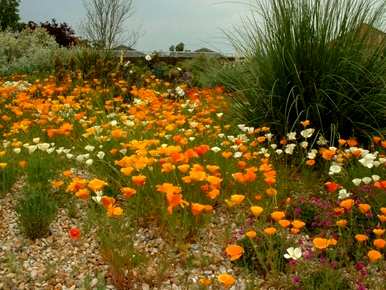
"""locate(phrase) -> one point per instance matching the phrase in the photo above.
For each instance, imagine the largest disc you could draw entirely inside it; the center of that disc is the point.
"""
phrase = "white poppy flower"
(375, 177)
(291, 136)
(322, 140)
(52, 149)
(98, 197)
(334, 169)
(367, 180)
(69, 156)
(80, 158)
(32, 148)
(101, 154)
(148, 57)
(368, 160)
(293, 253)
(289, 148)
(357, 181)
(43, 146)
(343, 193)
(304, 144)
(89, 162)
(237, 154)
(215, 149)
(307, 133)
(129, 123)
(279, 151)
(89, 148)
(312, 154)
(17, 150)
(36, 140)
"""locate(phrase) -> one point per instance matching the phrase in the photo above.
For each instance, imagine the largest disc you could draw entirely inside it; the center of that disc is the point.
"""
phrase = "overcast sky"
(197, 23)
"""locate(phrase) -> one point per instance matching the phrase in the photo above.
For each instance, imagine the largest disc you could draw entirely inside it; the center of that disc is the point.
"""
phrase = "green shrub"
(115, 237)
(26, 51)
(325, 277)
(314, 60)
(35, 213)
(41, 168)
(8, 177)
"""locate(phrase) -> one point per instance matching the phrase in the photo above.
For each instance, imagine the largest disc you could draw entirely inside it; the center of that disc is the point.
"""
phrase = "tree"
(172, 48)
(180, 46)
(62, 32)
(105, 22)
(9, 14)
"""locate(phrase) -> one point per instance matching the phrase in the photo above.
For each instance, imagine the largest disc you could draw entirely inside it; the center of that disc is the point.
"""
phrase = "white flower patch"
(101, 154)
(368, 160)
(335, 169)
(367, 180)
(307, 133)
(357, 181)
(293, 253)
(289, 148)
(215, 149)
(89, 148)
(343, 193)
(291, 136)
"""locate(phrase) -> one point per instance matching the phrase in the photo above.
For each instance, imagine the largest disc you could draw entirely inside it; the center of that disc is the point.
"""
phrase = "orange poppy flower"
(270, 231)
(347, 204)
(320, 243)
(226, 154)
(128, 191)
(310, 162)
(271, 191)
(277, 215)
(23, 164)
(374, 255)
(331, 186)
(364, 208)
(113, 211)
(83, 193)
(226, 279)
(205, 282)
(174, 200)
(139, 180)
(256, 210)
(378, 232)
(74, 233)
(361, 237)
(197, 208)
(117, 133)
(251, 234)
(341, 223)
(234, 252)
(284, 223)
(96, 184)
(183, 168)
(379, 243)
(298, 224)
(214, 193)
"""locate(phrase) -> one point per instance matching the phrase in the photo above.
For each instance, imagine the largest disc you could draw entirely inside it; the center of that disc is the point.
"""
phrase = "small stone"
(94, 282)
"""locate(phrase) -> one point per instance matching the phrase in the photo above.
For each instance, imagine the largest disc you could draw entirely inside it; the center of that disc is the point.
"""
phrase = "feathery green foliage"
(311, 59)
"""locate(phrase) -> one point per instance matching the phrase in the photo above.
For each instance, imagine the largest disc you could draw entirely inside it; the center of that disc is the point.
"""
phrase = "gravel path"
(54, 262)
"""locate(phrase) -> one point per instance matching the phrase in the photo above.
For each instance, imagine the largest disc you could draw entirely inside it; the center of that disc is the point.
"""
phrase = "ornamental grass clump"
(36, 211)
(322, 60)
